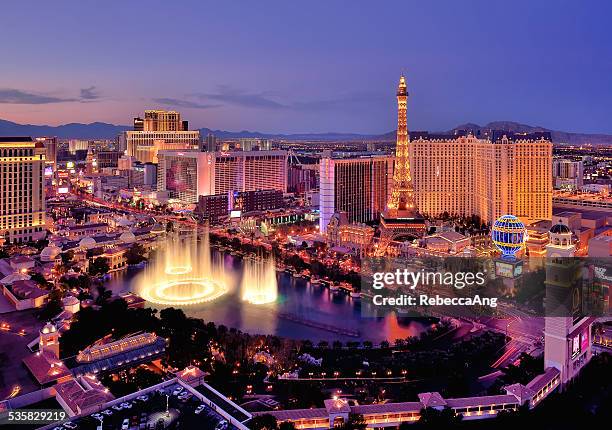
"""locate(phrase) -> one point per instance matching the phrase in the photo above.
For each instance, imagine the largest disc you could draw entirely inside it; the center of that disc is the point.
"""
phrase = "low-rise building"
(449, 242)
(601, 245)
(25, 294)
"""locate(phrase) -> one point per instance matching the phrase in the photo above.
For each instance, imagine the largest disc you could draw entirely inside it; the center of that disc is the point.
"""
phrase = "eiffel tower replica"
(401, 219)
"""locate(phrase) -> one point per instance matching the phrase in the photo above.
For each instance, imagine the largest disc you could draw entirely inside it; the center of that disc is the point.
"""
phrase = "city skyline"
(238, 67)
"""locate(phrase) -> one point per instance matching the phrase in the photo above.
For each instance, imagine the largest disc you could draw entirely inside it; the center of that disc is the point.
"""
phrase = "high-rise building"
(568, 174)
(567, 328)
(50, 144)
(358, 186)
(159, 130)
(138, 124)
(250, 171)
(22, 189)
(75, 145)
(161, 120)
(107, 159)
(185, 175)
(501, 173)
(252, 144)
(209, 144)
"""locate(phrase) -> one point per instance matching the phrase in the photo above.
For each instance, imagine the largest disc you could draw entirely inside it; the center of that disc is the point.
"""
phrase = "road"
(525, 333)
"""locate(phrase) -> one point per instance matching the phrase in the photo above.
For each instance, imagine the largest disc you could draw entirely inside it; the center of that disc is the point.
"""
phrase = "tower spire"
(401, 219)
(402, 196)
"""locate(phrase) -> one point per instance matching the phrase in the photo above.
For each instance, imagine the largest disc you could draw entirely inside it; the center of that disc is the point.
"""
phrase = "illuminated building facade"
(568, 174)
(358, 186)
(502, 173)
(401, 217)
(567, 330)
(22, 189)
(145, 145)
(185, 175)
(159, 130)
(251, 171)
(161, 120)
(353, 236)
(75, 145)
(50, 144)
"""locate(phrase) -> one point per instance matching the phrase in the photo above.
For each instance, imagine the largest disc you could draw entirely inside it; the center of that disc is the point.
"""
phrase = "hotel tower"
(22, 189)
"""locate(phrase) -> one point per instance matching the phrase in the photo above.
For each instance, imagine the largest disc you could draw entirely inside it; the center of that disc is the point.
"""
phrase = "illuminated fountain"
(184, 272)
(259, 284)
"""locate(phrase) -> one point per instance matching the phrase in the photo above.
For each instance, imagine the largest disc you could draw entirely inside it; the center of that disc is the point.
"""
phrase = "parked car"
(199, 409)
(126, 424)
(177, 391)
(107, 412)
(70, 425)
(142, 398)
(222, 425)
(117, 407)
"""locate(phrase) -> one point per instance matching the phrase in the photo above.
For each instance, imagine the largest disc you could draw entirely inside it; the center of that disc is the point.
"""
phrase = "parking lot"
(172, 407)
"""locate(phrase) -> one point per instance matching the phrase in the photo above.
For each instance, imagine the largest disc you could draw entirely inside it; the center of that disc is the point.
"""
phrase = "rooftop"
(11, 139)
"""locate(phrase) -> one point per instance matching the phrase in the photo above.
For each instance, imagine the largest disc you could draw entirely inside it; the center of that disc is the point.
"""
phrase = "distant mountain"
(557, 136)
(298, 136)
(94, 130)
(102, 130)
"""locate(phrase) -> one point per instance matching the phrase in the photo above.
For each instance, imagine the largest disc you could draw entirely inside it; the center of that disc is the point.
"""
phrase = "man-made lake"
(301, 311)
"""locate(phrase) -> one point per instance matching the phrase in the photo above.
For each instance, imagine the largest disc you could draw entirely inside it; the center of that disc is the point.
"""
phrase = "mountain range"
(102, 130)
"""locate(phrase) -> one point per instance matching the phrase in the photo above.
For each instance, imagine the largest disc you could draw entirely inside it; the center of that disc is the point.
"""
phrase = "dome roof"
(87, 242)
(48, 328)
(49, 253)
(157, 228)
(560, 229)
(127, 237)
(124, 222)
(70, 300)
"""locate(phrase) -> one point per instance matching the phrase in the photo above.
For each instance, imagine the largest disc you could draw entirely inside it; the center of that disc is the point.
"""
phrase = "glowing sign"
(584, 340)
(575, 346)
(235, 214)
(503, 269)
(62, 190)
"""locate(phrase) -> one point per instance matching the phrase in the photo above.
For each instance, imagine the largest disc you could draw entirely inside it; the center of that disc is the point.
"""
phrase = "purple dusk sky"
(311, 66)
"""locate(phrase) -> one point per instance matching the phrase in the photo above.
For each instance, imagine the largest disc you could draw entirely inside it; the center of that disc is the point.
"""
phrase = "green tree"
(135, 254)
(53, 306)
(99, 266)
(355, 422)
(263, 422)
(67, 257)
(104, 295)
(436, 419)
(286, 425)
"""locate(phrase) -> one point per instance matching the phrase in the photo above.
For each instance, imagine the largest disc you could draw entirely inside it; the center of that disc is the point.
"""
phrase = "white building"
(359, 186)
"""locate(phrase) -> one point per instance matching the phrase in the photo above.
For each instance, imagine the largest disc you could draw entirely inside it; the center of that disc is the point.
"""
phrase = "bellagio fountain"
(186, 272)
